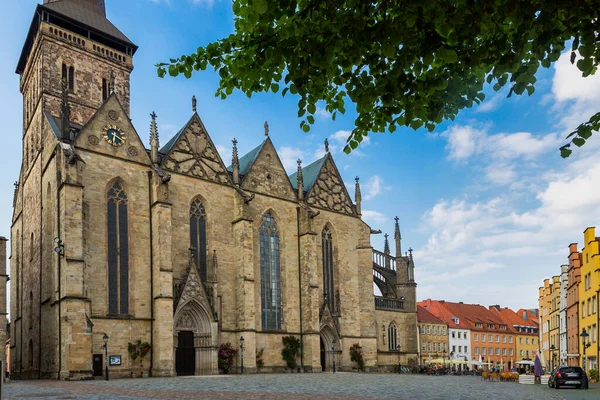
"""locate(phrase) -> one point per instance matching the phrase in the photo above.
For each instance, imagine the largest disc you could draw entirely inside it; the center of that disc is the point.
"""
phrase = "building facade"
(545, 303)
(525, 328)
(554, 323)
(562, 330)
(433, 337)
(589, 293)
(167, 245)
(573, 341)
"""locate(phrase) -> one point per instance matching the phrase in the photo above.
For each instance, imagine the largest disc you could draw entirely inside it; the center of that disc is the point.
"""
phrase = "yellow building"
(554, 324)
(545, 301)
(433, 337)
(589, 293)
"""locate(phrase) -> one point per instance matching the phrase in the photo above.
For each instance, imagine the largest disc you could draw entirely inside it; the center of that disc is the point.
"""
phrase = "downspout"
(151, 274)
(300, 290)
(59, 299)
(41, 262)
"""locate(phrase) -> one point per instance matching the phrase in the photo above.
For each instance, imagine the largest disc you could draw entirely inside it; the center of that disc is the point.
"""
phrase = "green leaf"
(306, 128)
(311, 108)
(578, 142)
(274, 87)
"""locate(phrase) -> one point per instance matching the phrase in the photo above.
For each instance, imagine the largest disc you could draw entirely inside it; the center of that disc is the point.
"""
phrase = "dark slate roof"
(309, 174)
(56, 123)
(88, 14)
(247, 160)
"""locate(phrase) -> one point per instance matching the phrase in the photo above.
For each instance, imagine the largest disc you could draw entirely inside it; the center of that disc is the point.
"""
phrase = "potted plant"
(291, 349)
(260, 362)
(139, 350)
(593, 373)
(225, 356)
(356, 355)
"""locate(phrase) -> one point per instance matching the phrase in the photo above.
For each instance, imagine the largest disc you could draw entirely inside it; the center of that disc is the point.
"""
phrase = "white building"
(564, 283)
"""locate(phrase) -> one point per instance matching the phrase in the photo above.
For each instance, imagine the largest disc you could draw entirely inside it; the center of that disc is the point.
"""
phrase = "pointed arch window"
(328, 280)
(118, 250)
(392, 337)
(198, 236)
(270, 274)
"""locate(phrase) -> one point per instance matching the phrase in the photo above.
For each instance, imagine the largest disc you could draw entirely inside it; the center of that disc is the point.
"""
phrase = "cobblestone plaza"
(349, 386)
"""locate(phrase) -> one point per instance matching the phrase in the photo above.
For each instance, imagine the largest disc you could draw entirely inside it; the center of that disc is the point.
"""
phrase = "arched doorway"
(194, 340)
(185, 355)
(329, 347)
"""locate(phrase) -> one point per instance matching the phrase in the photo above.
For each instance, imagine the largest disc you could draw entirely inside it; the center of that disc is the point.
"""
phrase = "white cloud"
(492, 242)
(289, 157)
(322, 113)
(374, 187)
(463, 141)
(373, 216)
(490, 103)
(203, 3)
(224, 153)
(576, 97)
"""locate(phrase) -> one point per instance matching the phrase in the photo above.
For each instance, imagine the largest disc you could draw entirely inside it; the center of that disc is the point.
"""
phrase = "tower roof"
(87, 17)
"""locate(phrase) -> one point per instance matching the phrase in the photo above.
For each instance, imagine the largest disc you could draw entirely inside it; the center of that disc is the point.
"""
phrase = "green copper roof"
(309, 174)
(247, 160)
(167, 147)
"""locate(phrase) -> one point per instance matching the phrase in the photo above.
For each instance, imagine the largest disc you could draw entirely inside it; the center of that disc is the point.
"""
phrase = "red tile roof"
(468, 315)
(425, 316)
(512, 318)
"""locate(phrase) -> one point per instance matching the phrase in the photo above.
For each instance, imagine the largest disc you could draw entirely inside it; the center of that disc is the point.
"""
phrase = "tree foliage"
(411, 63)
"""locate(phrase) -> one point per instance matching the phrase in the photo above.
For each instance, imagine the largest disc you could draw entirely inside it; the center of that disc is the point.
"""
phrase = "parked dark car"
(568, 376)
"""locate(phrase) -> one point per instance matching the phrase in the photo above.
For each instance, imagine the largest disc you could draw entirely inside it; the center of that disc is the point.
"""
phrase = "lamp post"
(333, 354)
(242, 354)
(584, 338)
(444, 358)
(105, 338)
(552, 349)
(398, 349)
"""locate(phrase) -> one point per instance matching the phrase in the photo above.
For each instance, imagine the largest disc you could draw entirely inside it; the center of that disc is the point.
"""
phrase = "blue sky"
(486, 201)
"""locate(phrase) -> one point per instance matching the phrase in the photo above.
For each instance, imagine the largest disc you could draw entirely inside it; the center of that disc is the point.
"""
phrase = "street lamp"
(553, 349)
(105, 338)
(584, 338)
(398, 349)
(333, 354)
(444, 357)
(242, 354)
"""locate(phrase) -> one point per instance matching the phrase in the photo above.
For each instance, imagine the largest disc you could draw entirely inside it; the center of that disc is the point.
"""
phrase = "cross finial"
(326, 146)
(357, 179)
(396, 219)
(153, 115)
(299, 162)
(194, 104)
(266, 129)
(410, 251)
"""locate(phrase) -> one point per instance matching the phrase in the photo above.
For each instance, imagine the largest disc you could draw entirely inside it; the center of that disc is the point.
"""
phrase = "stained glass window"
(270, 274)
(118, 251)
(392, 337)
(328, 284)
(198, 236)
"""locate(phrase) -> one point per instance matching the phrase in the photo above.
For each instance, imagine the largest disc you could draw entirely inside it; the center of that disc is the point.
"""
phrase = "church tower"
(72, 60)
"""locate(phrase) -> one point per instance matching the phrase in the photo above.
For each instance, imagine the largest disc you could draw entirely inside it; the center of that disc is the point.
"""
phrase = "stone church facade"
(170, 246)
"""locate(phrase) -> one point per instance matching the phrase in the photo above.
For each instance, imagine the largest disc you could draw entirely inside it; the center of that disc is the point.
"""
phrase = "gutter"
(151, 275)
(300, 290)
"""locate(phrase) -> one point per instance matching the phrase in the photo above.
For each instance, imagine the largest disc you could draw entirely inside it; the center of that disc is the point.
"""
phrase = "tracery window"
(118, 250)
(328, 280)
(198, 236)
(270, 274)
(392, 337)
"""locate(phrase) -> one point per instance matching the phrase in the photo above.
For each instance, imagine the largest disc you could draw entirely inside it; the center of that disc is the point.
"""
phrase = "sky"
(485, 201)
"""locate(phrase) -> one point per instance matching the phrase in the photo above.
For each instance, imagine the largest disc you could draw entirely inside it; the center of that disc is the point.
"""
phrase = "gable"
(267, 175)
(111, 115)
(329, 191)
(192, 152)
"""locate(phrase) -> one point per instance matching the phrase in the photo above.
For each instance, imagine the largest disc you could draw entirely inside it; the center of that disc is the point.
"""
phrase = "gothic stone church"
(169, 246)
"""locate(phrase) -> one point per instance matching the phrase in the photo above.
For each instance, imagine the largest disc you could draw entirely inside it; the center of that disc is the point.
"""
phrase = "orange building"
(491, 337)
(574, 272)
(526, 331)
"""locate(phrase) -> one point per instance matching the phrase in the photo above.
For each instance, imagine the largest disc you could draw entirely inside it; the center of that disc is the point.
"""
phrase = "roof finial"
(235, 163)
(194, 104)
(300, 181)
(15, 193)
(65, 110)
(357, 196)
(386, 244)
(112, 82)
(398, 238)
(154, 142)
(326, 146)
(410, 251)
(266, 129)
